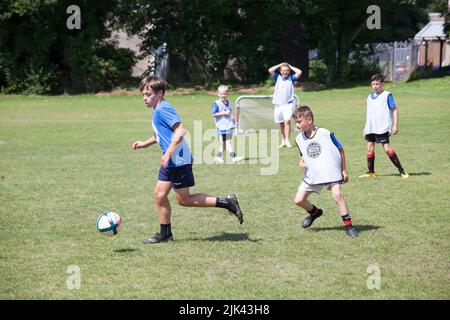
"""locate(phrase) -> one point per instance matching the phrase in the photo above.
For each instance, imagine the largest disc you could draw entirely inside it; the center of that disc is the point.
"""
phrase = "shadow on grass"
(227, 237)
(359, 228)
(410, 173)
(125, 250)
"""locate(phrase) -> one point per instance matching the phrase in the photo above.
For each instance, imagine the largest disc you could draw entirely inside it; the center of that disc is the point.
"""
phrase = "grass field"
(65, 159)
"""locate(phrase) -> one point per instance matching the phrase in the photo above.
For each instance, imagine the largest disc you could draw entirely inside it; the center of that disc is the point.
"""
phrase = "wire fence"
(397, 60)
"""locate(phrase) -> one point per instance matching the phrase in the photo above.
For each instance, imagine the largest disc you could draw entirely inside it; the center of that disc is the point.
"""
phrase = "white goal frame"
(255, 96)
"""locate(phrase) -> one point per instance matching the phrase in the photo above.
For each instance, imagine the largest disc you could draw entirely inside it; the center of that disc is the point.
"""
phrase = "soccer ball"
(108, 223)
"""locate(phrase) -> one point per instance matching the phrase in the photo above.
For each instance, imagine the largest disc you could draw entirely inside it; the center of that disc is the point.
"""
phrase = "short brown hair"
(153, 82)
(303, 111)
(378, 77)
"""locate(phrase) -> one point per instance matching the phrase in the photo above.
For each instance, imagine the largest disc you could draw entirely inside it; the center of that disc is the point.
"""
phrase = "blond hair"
(222, 87)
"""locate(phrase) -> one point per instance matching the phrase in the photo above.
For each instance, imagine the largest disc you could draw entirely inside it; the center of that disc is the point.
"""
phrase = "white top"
(321, 156)
(284, 90)
(379, 115)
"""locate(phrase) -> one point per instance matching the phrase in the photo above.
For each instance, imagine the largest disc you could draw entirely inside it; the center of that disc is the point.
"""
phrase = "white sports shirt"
(379, 114)
(322, 157)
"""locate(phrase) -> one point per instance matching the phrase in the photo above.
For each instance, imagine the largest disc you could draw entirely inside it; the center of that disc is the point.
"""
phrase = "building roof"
(433, 30)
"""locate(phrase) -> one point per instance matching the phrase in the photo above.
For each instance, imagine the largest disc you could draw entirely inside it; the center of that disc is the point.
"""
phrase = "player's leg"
(183, 179)
(229, 147)
(219, 154)
(278, 118)
(288, 110)
(393, 156)
(301, 199)
(282, 133)
(230, 202)
(287, 133)
(338, 196)
(370, 157)
(160, 196)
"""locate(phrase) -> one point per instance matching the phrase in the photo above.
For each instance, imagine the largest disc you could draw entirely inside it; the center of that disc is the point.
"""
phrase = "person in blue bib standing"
(176, 162)
(222, 113)
(283, 98)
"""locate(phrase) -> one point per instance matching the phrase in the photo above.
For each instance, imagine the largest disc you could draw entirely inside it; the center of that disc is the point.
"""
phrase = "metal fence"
(397, 61)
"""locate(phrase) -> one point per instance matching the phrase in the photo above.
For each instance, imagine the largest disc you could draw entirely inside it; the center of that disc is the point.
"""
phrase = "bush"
(318, 71)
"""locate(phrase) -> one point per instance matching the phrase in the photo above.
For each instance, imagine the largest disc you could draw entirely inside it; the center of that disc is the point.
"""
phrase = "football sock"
(371, 161)
(395, 161)
(313, 211)
(347, 220)
(233, 154)
(165, 230)
(224, 203)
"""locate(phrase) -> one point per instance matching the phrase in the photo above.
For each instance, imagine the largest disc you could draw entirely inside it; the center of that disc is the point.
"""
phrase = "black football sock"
(371, 162)
(395, 161)
(165, 230)
(313, 211)
(347, 221)
(224, 203)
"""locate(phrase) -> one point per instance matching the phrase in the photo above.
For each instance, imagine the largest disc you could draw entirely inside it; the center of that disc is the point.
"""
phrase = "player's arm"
(297, 71)
(338, 145)
(178, 133)
(393, 107)
(216, 113)
(223, 113)
(343, 166)
(394, 120)
(144, 143)
(274, 68)
(302, 164)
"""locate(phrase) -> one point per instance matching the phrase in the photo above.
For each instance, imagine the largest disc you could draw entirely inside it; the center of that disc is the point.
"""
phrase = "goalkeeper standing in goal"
(283, 98)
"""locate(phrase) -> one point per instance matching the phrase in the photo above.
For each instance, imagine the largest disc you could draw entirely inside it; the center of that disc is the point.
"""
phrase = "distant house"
(434, 50)
(154, 64)
(133, 43)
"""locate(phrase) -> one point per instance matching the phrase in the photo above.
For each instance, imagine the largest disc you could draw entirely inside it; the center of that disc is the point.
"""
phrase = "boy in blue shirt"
(176, 162)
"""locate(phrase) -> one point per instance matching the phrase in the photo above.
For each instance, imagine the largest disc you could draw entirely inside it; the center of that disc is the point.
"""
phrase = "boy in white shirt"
(283, 98)
(381, 122)
(323, 160)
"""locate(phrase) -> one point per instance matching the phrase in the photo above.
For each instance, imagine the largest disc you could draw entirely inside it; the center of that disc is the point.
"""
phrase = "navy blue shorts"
(181, 177)
(378, 138)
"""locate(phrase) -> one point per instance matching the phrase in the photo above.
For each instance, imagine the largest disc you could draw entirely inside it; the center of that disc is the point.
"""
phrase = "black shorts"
(181, 177)
(378, 138)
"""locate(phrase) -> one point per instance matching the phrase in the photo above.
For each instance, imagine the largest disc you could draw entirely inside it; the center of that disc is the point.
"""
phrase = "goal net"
(255, 112)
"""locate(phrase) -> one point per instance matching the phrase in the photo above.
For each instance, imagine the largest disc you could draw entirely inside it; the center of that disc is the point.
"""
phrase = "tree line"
(208, 41)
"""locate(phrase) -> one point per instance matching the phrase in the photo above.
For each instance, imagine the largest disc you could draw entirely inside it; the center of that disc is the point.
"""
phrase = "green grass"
(66, 159)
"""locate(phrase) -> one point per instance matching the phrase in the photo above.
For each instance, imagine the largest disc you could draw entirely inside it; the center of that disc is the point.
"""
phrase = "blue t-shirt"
(164, 118)
(292, 77)
(335, 141)
(391, 102)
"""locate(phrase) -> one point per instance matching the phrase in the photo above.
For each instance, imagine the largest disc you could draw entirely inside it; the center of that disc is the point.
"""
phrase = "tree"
(39, 54)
